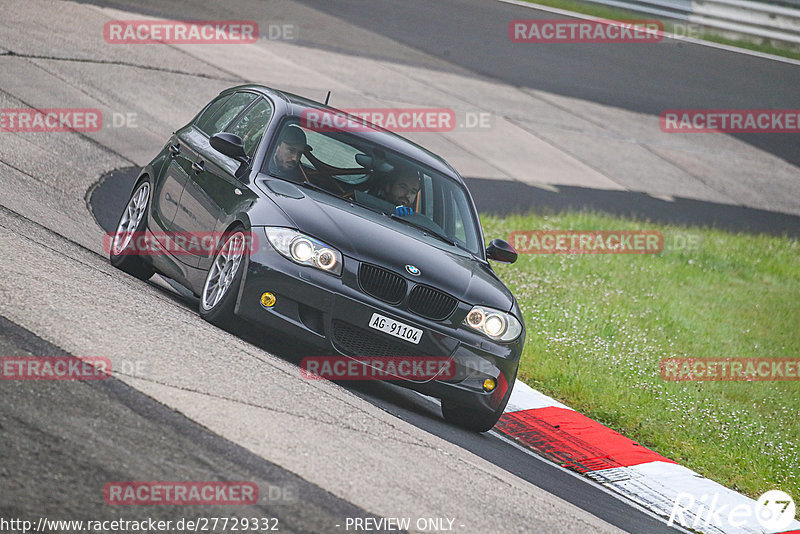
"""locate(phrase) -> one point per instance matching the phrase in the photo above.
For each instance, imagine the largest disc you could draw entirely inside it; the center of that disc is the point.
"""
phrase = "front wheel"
(470, 418)
(122, 253)
(218, 299)
(475, 419)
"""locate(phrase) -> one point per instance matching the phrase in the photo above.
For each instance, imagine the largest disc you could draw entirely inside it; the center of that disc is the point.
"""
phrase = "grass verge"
(597, 10)
(598, 326)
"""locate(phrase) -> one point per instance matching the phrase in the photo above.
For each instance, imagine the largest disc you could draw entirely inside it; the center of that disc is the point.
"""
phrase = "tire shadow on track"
(106, 201)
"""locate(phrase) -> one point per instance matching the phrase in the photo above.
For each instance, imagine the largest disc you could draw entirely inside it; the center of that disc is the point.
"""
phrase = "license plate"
(395, 328)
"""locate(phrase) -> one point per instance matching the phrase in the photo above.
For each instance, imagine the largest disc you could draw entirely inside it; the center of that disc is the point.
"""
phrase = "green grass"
(599, 324)
(597, 10)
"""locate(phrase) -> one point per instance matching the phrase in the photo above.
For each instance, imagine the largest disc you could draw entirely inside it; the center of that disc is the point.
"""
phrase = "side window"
(460, 217)
(426, 205)
(215, 120)
(210, 112)
(458, 223)
(252, 125)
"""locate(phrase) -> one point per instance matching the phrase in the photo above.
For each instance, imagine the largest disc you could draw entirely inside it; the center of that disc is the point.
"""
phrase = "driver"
(400, 190)
(285, 162)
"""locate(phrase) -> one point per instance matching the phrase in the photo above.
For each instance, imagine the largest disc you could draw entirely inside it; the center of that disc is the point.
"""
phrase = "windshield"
(356, 169)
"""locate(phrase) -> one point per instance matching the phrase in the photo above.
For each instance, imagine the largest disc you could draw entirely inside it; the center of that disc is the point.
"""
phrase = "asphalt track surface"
(110, 197)
(462, 35)
(75, 437)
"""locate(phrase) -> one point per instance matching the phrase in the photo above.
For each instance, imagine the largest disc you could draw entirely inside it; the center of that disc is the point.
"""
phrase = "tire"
(469, 418)
(132, 220)
(220, 290)
(474, 419)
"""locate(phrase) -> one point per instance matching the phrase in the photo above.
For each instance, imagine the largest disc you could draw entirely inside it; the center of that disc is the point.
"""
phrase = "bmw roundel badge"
(413, 270)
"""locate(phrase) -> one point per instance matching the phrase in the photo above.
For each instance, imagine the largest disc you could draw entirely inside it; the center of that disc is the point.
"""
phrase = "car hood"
(375, 238)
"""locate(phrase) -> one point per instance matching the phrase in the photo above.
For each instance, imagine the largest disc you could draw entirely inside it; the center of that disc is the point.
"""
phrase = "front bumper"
(332, 313)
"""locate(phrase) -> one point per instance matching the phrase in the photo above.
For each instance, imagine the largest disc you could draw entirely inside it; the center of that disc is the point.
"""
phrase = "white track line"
(651, 486)
(617, 495)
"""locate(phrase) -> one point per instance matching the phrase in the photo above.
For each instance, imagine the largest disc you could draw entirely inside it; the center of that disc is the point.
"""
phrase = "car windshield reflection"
(369, 175)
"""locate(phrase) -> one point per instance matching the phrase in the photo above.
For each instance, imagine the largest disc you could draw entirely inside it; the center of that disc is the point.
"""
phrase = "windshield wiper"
(425, 229)
(306, 183)
(366, 207)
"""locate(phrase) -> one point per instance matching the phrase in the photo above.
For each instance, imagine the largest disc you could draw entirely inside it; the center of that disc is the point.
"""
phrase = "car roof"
(295, 105)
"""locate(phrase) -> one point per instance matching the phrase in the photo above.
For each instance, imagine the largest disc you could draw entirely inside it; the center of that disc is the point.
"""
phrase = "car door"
(197, 210)
(167, 191)
(181, 153)
(213, 193)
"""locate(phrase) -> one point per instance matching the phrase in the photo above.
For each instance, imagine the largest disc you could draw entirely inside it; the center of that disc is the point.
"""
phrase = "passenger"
(285, 162)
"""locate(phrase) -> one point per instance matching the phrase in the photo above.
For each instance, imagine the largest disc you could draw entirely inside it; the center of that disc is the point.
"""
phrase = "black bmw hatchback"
(348, 236)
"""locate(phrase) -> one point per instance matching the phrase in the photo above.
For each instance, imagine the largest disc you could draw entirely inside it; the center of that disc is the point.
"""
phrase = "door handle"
(198, 166)
(175, 149)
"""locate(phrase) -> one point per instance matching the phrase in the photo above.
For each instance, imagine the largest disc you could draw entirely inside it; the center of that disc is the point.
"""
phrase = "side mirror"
(229, 144)
(499, 250)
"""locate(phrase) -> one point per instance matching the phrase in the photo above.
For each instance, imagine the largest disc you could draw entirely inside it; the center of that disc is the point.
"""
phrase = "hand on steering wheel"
(403, 211)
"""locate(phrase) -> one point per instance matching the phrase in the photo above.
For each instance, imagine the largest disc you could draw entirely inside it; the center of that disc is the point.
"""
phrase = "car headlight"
(305, 250)
(494, 324)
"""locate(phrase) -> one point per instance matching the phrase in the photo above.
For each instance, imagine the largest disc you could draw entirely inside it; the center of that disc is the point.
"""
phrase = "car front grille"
(431, 303)
(382, 284)
(355, 341)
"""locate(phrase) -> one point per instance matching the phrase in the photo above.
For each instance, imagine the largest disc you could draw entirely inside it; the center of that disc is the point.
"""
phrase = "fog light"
(268, 300)
(489, 384)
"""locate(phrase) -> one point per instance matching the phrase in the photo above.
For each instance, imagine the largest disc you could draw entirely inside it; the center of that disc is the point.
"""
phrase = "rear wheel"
(122, 253)
(218, 299)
